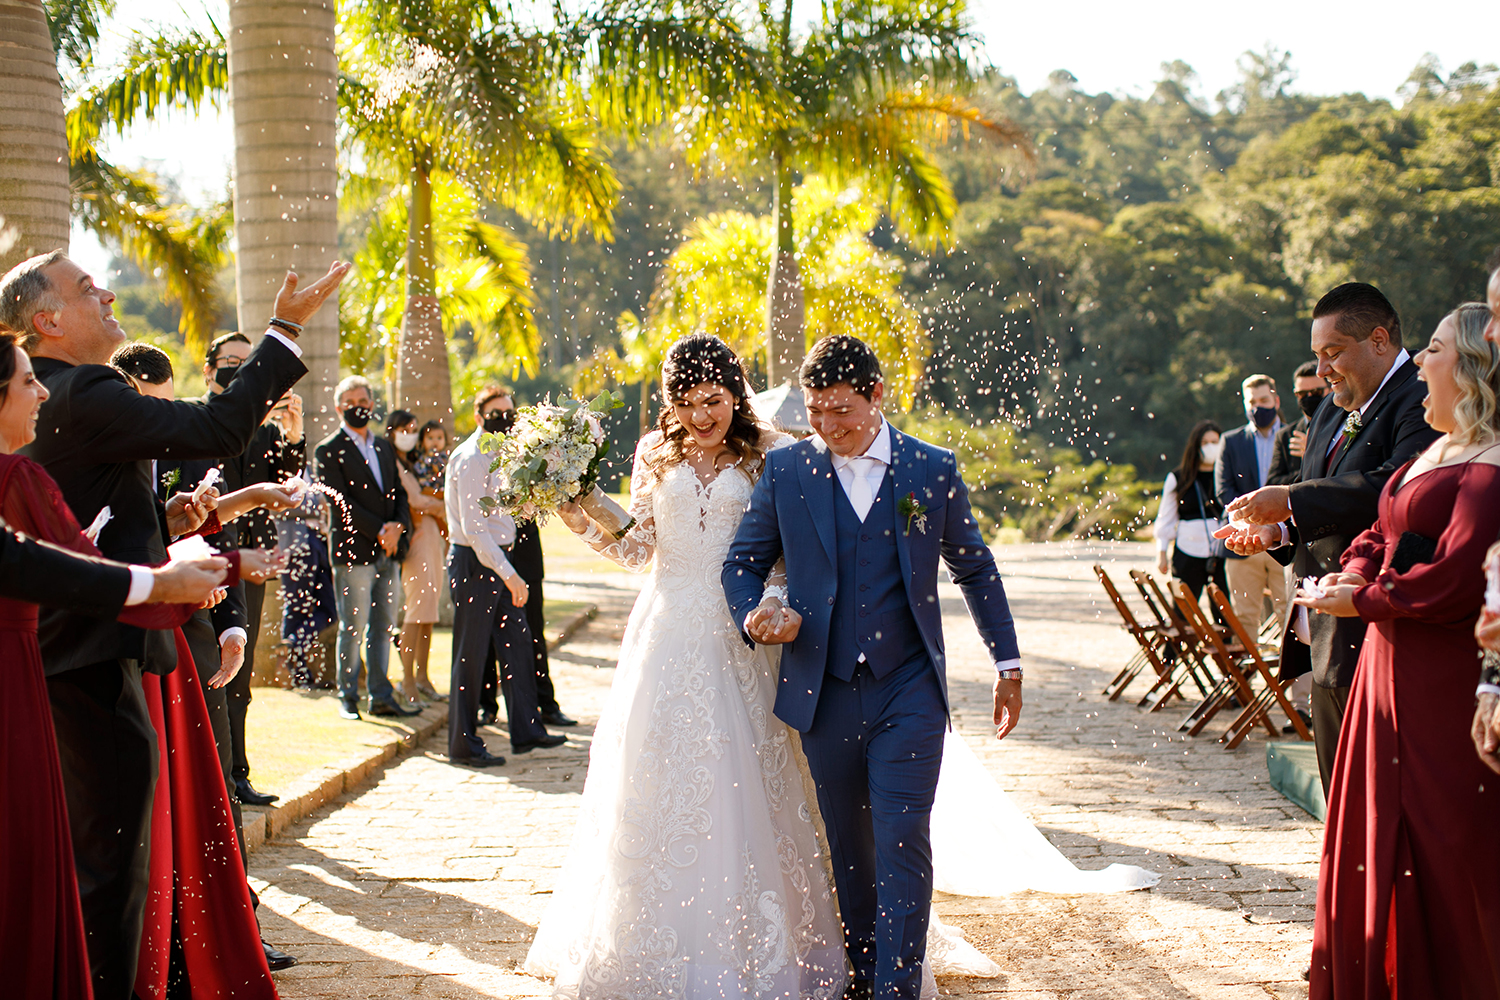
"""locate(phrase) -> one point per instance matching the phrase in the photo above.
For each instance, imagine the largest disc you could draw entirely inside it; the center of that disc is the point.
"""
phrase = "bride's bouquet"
(552, 455)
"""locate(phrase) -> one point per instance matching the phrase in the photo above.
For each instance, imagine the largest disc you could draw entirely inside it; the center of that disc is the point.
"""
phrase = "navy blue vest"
(871, 614)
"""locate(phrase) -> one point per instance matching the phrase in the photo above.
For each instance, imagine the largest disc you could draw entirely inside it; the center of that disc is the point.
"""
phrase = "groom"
(863, 514)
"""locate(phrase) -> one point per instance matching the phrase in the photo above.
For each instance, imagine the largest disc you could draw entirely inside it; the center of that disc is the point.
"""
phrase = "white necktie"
(861, 497)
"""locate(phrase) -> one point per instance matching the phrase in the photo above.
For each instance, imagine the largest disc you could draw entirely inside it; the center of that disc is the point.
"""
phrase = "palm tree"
(283, 78)
(716, 281)
(33, 153)
(863, 99)
(444, 94)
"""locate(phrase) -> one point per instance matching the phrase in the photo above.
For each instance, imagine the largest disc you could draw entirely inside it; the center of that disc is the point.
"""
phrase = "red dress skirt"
(1409, 891)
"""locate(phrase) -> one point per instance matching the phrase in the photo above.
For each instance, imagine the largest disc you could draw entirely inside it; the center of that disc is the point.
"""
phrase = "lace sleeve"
(636, 550)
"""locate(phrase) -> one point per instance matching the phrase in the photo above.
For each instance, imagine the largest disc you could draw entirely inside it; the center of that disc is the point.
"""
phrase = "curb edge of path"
(319, 787)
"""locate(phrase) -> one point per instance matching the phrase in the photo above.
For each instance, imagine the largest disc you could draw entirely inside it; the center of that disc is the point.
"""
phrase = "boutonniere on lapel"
(169, 480)
(912, 509)
(1352, 424)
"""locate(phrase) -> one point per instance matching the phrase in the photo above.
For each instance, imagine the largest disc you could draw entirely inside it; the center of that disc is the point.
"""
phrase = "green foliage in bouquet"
(552, 455)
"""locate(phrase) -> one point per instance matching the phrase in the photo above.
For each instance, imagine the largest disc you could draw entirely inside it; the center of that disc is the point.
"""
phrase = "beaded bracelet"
(285, 324)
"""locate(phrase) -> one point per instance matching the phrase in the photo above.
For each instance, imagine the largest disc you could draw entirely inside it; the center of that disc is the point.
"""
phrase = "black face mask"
(358, 416)
(1309, 404)
(500, 422)
(1264, 416)
(225, 375)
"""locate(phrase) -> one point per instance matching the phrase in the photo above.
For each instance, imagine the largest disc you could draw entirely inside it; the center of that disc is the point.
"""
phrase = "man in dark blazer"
(97, 435)
(1243, 465)
(277, 452)
(1291, 443)
(360, 466)
(1373, 426)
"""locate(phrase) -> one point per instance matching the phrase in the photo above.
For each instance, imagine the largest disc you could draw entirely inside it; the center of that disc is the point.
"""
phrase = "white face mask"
(1209, 452)
(406, 440)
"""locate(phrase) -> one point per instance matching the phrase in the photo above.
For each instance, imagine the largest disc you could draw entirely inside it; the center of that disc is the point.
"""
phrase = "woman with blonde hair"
(1407, 904)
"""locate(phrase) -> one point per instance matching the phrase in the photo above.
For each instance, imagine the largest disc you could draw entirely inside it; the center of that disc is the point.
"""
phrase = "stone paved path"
(430, 882)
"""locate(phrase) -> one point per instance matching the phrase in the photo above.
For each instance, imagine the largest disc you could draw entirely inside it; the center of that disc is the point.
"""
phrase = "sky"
(1336, 47)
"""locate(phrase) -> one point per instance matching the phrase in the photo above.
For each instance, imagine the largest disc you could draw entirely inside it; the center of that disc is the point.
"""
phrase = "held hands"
(1007, 706)
(1267, 505)
(390, 536)
(1338, 595)
(187, 582)
(519, 592)
(299, 304)
(231, 658)
(773, 623)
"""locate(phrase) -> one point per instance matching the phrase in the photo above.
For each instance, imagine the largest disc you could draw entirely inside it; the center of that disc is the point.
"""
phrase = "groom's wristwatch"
(1012, 674)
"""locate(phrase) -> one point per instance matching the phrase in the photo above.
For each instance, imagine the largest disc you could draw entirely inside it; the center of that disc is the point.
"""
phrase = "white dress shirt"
(365, 442)
(469, 478)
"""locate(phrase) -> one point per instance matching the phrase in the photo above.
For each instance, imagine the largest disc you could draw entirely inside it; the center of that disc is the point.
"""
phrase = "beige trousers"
(1249, 579)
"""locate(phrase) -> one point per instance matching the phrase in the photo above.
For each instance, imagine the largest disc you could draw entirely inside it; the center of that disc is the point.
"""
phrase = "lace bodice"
(682, 526)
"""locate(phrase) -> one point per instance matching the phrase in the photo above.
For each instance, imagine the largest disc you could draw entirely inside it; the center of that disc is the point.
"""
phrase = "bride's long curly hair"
(691, 362)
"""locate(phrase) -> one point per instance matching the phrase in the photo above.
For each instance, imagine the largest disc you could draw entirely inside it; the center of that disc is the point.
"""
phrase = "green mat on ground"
(1294, 773)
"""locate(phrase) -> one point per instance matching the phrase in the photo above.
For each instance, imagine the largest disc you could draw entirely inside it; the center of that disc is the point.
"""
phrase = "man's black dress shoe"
(860, 989)
(488, 760)
(348, 710)
(390, 708)
(246, 793)
(276, 958)
(550, 740)
(487, 718)
(557, 719)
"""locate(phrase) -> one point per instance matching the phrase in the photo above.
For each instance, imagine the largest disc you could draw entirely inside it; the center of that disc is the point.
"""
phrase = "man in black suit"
(1286, 462)
(276, 453)
(1244, 463)
(360, 466)
(526, 557)
(1373, 426)
(96, 435)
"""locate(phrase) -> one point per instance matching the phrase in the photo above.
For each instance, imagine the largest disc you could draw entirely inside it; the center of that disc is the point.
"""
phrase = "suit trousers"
(485, 620)
(874, 749)
(546, 693)
(1249, 579)
(1328, 706)
(109, 766)
(237, 691)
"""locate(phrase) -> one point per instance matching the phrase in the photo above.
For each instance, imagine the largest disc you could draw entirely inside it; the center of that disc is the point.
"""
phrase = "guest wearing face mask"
(368, 529)
(1243, 467)
(422, 568)
(1190, 513)
(1309, 388)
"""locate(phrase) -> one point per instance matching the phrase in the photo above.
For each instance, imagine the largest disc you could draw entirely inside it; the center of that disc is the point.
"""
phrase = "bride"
(697, 867)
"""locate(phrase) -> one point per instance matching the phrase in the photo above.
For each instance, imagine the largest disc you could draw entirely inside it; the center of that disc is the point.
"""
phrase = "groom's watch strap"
(1010, 673)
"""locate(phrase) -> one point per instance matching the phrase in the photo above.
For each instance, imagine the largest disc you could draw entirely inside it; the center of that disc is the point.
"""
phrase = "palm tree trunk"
(283, 94)
(422, 378)
(34, 201)
(786, 311)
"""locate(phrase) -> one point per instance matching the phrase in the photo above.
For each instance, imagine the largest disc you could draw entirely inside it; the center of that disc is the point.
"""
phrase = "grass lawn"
(289, 733)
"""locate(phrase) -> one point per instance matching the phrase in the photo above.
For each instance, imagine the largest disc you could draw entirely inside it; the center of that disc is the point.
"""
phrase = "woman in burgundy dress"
(41, 923)
(1408, 894)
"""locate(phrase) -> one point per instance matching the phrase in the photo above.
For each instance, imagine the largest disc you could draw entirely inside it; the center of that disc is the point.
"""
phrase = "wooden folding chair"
(1148, 638)
(1181, 652)
(1232, 681)
(1258, 709)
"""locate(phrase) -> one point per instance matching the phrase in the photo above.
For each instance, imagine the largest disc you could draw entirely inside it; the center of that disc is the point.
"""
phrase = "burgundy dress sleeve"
(1366, 554)
(1451, 587)
(32, 502)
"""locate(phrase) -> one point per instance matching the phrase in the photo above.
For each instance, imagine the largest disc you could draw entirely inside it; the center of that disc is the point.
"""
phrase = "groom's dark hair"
(841, 358)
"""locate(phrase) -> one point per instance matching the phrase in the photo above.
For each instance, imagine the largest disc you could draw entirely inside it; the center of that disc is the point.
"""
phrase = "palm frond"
(75, 27)
(127, 208)
(173, 70)
(490, 289)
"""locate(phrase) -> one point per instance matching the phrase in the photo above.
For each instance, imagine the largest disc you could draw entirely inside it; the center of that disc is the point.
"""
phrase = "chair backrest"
(1165, 615)
(1171, 606)
(1212, 641)
(1226, 610)
(1119, 602)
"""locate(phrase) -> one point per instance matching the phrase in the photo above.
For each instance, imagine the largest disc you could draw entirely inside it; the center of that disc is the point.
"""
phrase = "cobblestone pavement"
(430, 882)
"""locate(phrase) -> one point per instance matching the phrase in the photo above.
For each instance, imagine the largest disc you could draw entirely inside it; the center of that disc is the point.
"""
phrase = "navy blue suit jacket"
(791, 514)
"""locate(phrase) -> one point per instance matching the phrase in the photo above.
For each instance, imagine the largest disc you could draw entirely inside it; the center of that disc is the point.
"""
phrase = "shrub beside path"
(430, 881)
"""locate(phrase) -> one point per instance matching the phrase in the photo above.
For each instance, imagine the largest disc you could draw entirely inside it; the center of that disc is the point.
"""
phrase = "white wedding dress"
(698, 865)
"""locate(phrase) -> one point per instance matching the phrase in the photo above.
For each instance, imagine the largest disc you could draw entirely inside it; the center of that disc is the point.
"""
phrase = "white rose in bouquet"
(552, 455)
